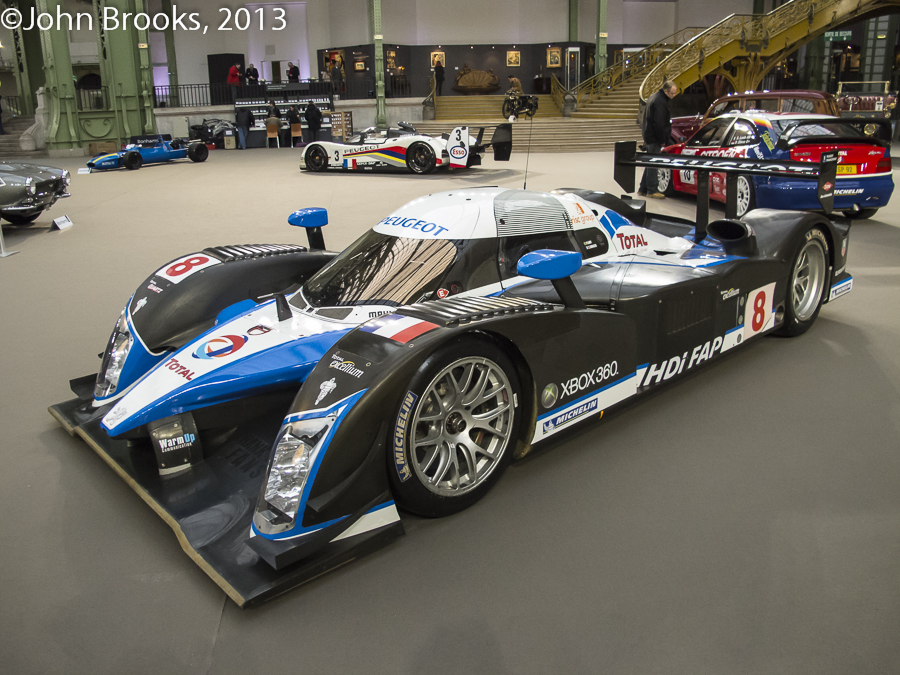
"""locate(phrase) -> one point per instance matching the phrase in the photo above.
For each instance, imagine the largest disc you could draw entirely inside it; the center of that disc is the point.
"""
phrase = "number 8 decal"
(180, 268)
(758, 314)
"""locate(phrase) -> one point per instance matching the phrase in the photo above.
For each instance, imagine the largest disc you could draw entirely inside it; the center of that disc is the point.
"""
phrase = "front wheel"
(508, 110)
(198, 152)
(132, 160)
(862, 214)
(316, 158)
(806, 285)
(420, 158)
(665, 182)
(456, 429)
(746, 196)
(21, 220)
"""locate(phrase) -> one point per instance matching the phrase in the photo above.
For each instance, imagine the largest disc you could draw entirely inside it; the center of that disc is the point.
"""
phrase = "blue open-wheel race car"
(280, 406)
(150, 150)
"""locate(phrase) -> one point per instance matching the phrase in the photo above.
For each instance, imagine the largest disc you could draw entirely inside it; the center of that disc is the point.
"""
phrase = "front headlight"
(66, 177)
(30, 186)
(114, 358)
(293, 458)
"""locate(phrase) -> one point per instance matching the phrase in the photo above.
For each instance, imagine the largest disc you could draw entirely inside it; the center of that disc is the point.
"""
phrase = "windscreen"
(379, 269)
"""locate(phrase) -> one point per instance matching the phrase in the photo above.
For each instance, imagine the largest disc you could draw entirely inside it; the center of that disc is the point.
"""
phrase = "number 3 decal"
(758, 315)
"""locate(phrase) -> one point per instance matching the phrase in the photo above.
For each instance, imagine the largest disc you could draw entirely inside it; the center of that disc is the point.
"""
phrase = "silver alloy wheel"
(462, 426)
(743, 195)
(665, 177)
(807, 280)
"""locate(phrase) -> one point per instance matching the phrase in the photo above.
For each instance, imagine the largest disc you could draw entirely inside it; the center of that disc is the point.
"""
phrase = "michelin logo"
(569, 415)
(400, 436)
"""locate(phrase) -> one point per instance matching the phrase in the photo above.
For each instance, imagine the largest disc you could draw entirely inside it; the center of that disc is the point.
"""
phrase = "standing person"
(656, 130)
(234, 79)
(294, 116)
(252, 75)
(293, 72)
(313, 120)
(242, 120)
(438, 77)
(337, 77)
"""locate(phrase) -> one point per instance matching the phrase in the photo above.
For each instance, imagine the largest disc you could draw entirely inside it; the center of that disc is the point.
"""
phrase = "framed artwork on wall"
(359, 65)
(390, 59)
(438, 57)
(554, 57)
(513, 59)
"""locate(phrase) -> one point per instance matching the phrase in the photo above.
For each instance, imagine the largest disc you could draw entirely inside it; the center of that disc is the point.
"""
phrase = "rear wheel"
(316, 158)
(420, 158)
(456, 429)
(806, 285)
(746, 196)
(197, 152)
(21, 220)
(862, 214)
(132, 160)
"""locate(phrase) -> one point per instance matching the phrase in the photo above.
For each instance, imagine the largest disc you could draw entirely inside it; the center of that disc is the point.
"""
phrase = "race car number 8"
(758, 314)
(180, 268)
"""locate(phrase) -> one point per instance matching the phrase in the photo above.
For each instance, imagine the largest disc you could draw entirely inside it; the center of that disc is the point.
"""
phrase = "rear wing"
(627, 158)
(874, 130)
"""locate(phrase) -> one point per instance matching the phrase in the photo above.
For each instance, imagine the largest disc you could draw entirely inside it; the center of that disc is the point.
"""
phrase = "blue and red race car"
(864, 180)
(151, 151)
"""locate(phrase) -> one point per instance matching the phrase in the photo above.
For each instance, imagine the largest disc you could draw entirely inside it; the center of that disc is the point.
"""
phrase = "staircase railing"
(743, 28)
(557, 91)
(631, 65)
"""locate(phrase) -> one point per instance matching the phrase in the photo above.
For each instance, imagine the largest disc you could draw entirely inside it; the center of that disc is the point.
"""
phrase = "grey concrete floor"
(745, 520)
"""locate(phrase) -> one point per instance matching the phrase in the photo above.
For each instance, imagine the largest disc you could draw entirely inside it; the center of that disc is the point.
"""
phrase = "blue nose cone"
(311, 217)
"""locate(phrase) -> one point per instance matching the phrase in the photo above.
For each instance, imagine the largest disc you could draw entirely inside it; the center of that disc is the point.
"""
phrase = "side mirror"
(313, 220)
(557, 267)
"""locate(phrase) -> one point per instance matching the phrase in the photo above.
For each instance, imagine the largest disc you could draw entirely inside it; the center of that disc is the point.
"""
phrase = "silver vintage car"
(28, 189)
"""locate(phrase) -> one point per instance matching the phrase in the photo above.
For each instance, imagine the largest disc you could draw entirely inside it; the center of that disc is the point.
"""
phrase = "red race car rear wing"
(627, 158)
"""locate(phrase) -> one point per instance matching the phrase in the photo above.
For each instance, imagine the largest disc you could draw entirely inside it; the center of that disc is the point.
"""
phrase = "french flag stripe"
(401, 329)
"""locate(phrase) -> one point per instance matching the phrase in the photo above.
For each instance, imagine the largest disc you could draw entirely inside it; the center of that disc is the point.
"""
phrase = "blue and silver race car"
(864, 177)
(278, 405)
(153, 150)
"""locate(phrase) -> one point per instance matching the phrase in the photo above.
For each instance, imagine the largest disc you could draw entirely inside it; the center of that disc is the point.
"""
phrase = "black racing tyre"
(531, 110)
(862, 214)
(420, 158)
(806, 284)
(197, 152)
(316, 158)
(666, 184)
(456, 428)
(15, 219)
(132, 160)
(508, 109)
(746, 196)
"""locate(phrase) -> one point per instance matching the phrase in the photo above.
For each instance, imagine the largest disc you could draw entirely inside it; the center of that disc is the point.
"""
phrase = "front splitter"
(210, 506)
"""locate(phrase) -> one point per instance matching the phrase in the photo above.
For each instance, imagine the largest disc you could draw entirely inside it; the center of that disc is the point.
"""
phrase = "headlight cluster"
(114, 359)
(66, 178)
(30, 186)
(294, 456)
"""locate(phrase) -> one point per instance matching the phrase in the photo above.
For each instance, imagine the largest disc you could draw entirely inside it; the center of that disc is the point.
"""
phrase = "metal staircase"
(477, 107)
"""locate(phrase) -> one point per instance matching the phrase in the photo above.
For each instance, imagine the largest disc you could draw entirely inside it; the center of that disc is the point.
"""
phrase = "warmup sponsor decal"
(224, 345)
(570, 415)
(400, 436)
(177, 443)
(398, 328)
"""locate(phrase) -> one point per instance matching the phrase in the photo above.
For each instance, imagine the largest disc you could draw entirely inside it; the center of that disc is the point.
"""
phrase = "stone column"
(378, 39)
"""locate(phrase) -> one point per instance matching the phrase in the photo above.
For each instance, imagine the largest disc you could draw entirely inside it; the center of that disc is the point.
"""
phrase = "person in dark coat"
(438, 77)
(656, 130)
(313, 118)
(337, 77)
(243, 118)
(252, 75)
(293, 72)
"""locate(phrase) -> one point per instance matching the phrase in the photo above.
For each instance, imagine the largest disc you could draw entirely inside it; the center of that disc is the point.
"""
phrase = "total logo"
(224, 345)
(629, 241)
(459, 152)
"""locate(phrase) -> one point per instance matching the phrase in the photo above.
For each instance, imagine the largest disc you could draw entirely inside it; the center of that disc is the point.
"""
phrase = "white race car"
(404, 148)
